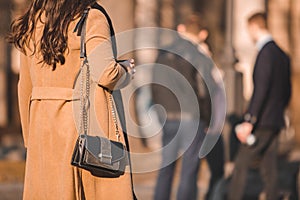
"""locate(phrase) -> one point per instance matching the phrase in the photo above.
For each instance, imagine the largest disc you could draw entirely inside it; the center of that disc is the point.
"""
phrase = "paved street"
(12, 170)
(11, 182)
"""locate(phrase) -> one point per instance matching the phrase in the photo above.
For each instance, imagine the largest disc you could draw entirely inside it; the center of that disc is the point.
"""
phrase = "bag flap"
(93, 145)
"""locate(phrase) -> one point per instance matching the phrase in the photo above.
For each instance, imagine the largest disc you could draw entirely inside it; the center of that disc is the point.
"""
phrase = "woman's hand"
(131, 68)
(129, 65)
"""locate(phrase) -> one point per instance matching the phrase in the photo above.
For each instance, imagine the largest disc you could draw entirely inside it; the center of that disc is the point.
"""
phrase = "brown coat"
(46, 100)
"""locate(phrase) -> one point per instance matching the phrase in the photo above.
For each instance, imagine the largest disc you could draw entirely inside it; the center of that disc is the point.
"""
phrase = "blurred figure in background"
(215, 157)
(265, 115)
(182, 118)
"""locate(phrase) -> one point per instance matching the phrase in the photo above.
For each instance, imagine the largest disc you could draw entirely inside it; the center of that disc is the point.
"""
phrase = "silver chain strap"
(84, 96)
(84, 101)
(114, 116)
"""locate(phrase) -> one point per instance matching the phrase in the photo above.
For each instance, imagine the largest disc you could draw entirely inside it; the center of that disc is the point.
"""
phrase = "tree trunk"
(284, 16)
(295, 53)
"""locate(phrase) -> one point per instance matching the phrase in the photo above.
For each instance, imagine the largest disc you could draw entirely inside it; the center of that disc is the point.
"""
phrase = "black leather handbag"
(99, 155)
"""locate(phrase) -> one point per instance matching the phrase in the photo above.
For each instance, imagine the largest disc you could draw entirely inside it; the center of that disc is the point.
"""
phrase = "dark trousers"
(215, 159)
(266, 151)
(179, 136)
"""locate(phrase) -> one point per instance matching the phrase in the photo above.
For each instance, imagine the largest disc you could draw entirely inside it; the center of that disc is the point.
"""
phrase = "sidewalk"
(11, 179)
(11, 191)
(13, 166)
(11, 182)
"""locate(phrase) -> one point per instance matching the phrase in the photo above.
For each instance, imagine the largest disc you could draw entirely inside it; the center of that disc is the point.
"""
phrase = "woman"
(49, 65)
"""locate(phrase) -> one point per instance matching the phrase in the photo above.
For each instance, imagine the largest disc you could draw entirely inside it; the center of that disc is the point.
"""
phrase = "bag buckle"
(105, 158)
(105, 154)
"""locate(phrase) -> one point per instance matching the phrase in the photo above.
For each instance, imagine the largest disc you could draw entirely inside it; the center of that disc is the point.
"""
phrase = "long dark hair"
(58, 15)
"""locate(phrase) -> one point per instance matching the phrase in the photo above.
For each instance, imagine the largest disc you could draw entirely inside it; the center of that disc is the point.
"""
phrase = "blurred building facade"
(226, 19)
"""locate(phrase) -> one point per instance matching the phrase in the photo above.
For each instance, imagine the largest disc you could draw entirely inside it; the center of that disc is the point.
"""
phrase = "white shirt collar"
(263, 41)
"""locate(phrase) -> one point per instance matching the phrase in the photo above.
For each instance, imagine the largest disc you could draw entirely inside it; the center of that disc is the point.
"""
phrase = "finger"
(132, 65)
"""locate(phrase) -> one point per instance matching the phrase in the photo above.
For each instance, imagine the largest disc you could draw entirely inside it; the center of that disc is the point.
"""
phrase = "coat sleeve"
(105, 70)
(24, 95)
(262, 76)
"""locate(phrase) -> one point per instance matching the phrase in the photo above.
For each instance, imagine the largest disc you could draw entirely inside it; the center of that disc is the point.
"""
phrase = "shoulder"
(267, 50)
(96, 17)
(271, 49)
(97, 24)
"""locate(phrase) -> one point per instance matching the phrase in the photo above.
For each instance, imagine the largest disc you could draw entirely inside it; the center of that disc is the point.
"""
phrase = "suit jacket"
(272, 87)
(184, 75)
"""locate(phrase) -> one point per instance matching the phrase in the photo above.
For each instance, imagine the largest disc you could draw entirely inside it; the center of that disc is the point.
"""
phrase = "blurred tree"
(182, 9)
(5, 70)
(167, 14)
(284, 17)
(214, 11)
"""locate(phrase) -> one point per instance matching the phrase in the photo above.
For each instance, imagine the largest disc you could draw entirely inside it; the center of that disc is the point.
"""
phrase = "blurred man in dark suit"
(265, 115)
(188, 87)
